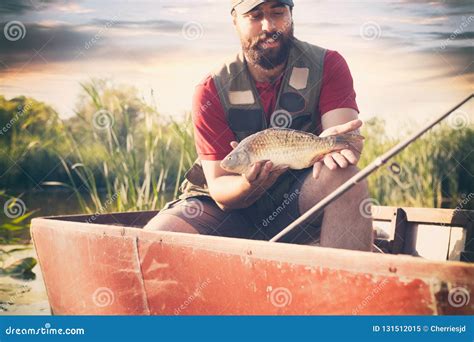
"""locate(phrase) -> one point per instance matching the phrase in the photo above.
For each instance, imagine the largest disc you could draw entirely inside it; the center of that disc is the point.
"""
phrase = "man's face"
(265, 34)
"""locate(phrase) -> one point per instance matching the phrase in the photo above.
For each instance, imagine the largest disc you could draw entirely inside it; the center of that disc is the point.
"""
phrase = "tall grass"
(431, 172)
(141, 165)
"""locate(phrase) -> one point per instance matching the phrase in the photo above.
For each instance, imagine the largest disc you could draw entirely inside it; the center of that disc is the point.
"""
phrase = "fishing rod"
(365, 172)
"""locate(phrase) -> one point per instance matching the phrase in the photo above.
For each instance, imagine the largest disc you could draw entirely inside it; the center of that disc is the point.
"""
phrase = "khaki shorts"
(205, 217)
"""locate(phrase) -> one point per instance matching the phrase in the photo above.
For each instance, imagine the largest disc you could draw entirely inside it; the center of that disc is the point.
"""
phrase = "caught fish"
(285, 147)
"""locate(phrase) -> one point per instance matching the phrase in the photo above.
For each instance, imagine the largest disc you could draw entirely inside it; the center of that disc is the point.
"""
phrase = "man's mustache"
(274, 35)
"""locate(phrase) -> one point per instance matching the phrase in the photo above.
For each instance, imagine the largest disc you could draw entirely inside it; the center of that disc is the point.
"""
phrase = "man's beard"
(257, 53)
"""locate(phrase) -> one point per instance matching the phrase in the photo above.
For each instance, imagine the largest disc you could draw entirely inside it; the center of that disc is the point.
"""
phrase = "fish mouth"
(229, 168)
(223, 165)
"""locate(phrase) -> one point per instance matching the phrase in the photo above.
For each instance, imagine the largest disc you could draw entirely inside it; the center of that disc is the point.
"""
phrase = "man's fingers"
(234, 144)
(281, 168)
(329, 162)
(274, 174)
(317, 167)
(265, 171)
(350, 156)
(340, 160)
(252, 174)
(344, 128)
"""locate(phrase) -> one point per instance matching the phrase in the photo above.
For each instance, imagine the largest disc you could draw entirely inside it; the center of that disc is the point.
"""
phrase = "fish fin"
(316, 158)
(280, 167)
(349, 139)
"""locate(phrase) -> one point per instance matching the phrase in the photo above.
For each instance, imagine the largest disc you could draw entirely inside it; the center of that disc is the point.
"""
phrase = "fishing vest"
(296, 108)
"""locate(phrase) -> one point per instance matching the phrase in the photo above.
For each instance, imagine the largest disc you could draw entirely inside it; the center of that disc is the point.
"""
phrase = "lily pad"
(20, 269)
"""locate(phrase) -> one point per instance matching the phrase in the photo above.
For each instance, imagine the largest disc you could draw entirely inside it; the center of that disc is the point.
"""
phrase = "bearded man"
(275, 80)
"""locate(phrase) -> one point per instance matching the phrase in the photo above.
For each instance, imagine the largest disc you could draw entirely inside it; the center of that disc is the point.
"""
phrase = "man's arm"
(231, 191)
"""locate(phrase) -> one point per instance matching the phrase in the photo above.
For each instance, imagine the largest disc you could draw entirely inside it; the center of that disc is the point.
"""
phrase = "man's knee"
(170, 223)
(339, 175)
(330, 180)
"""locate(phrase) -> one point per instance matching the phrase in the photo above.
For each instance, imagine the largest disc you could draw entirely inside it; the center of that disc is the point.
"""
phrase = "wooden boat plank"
(451, 217)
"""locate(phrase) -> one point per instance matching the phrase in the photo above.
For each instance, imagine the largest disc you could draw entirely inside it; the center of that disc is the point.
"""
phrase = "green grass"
(137, 158)
(434, 171)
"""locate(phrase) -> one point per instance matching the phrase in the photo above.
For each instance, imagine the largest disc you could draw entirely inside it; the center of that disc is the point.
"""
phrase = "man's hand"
(343, 158)
(260, 176)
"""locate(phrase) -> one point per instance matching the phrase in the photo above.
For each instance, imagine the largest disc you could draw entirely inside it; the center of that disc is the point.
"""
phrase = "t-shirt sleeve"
(337, 90)
(212, 135)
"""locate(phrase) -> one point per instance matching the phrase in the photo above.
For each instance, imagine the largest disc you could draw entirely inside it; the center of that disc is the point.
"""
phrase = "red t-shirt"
(212, 134)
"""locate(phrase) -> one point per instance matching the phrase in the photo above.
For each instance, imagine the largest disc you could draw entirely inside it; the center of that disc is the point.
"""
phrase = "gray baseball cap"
(244, 6)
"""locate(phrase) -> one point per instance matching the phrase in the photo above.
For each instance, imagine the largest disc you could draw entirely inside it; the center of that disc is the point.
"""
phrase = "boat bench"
(435, 234)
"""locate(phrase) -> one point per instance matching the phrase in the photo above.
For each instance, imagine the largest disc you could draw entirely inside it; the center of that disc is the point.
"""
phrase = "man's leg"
(201, 215)
(343, 225)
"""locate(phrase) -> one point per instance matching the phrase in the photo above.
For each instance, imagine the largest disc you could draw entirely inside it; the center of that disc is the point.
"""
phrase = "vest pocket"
(293, 102)
(300, 120)
(245, 120)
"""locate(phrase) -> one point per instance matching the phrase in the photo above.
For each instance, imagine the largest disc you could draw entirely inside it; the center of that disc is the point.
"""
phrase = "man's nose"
(267, 24)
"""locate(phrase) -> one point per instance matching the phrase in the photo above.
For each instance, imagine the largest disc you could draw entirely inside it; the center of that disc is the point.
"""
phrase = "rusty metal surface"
(100, 269)
(89, 273)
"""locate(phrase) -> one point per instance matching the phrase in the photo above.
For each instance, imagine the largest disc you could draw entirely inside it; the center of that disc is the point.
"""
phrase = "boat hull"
(98, 269)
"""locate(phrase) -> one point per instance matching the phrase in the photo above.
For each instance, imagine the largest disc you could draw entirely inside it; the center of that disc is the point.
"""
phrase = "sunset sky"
(409, 59)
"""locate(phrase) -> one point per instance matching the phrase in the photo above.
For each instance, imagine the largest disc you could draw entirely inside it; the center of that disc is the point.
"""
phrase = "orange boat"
(113, 267)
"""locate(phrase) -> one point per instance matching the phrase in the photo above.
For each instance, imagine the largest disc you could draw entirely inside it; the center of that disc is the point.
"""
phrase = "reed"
(432, 172)
(141, 165)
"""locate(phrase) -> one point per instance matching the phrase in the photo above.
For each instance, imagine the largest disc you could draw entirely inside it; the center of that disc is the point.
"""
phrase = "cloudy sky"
(410, 59)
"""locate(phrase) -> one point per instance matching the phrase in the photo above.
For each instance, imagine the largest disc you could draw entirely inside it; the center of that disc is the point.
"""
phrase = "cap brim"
(247, 6)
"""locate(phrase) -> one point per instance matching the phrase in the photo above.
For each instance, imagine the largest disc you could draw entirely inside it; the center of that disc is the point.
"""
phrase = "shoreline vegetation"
(117, 153)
